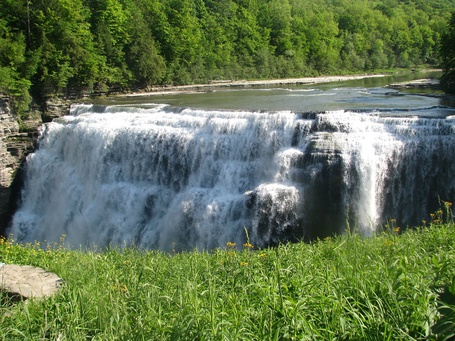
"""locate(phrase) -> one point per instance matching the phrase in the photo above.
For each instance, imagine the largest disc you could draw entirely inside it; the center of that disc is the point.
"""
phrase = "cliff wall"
(16, 142)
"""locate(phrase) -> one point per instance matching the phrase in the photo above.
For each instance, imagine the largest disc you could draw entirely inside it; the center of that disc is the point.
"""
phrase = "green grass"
(393, 286)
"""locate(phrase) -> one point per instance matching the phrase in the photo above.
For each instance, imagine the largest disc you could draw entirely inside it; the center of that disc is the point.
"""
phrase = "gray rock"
(23, 282)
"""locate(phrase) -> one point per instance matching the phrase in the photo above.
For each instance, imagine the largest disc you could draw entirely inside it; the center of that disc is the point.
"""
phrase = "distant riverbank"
(248, 83)
(427, 81)
(227, 84)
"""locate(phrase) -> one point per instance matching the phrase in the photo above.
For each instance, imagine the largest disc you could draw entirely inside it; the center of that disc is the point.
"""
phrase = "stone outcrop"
(16, 142)
(22, 282)
(416, 84)
(10, 157)
(55, 107)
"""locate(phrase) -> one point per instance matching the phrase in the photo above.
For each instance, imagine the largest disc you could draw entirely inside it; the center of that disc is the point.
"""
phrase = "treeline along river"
(198, 170)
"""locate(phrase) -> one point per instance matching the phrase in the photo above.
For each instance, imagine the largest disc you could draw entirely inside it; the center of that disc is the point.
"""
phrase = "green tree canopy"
(90, 45)
(448, 57)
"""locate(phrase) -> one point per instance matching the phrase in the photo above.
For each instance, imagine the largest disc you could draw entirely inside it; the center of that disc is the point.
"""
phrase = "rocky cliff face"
(15, 145)
(10, 161)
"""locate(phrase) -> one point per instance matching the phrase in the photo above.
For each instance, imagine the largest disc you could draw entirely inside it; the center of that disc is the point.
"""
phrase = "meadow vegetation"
(396, 285)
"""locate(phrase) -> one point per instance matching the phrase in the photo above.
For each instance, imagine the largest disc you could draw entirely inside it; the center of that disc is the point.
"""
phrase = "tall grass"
(393, 286)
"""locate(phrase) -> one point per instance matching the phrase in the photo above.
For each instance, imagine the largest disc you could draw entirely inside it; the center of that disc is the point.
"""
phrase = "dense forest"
(47, 46)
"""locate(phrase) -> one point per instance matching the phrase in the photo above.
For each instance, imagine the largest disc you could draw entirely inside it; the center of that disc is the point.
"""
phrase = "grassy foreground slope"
(393, 286)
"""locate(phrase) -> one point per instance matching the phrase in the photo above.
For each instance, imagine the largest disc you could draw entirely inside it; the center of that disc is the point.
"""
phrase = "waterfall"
(170, 178)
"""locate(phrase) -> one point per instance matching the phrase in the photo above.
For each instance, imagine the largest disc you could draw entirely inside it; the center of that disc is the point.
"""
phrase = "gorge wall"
(16, 142)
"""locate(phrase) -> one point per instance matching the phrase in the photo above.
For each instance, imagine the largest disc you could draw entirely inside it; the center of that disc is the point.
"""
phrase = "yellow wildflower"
(248, 245)
(388, 243)
(124, 289)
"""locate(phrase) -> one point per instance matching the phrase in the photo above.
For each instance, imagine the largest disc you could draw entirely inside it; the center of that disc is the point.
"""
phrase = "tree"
(141, 53)
(216, 47)
(60, 33)
(447, 52)
(276, 16)
(16, 64)
(322, 32)
(110, 23)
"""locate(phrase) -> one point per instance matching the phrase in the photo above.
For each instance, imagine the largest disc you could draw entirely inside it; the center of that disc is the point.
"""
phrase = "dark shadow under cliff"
(11, 196)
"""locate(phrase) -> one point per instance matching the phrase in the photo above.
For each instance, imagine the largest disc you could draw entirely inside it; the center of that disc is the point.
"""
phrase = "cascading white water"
(165, 178)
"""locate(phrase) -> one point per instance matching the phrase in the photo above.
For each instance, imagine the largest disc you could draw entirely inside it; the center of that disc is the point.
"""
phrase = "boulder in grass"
(22, 282)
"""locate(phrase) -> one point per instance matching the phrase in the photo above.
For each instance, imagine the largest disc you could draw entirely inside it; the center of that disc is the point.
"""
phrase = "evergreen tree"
(141, 53)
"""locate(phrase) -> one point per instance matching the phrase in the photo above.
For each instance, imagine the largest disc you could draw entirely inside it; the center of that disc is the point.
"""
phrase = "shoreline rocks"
(230, 84)
(417, 84)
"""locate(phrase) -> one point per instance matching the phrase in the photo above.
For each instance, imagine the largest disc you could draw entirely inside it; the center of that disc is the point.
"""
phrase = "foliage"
(393, 286)
(14, 67)
(448, 57)
(52, 46)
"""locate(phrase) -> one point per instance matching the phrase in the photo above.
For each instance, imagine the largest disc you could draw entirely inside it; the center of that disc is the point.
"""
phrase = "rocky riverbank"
(230, 84)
